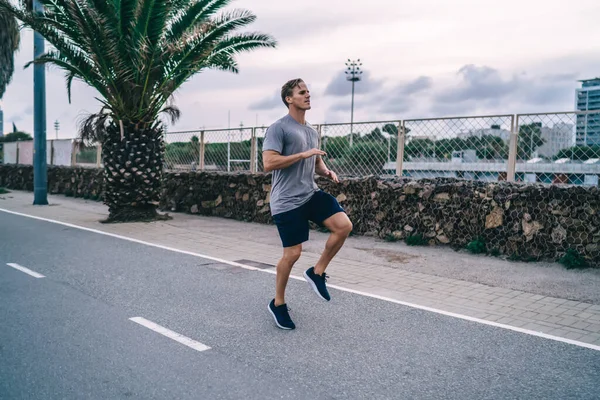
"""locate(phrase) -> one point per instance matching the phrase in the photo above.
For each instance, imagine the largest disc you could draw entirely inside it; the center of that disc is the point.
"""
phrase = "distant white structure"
(560, 136)
(480, 133)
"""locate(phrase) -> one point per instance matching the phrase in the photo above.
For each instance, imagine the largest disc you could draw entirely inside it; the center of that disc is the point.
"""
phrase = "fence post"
(400, 150)
(253, 159)
(320, 134)
(512, 150)
(201, 153)
(51, 152)
(74, 153)
(17, 152)
(98, 155)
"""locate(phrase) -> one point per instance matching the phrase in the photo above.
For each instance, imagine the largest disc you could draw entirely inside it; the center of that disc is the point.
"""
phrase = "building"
(494, 130)
(588, 126)
(557, 138)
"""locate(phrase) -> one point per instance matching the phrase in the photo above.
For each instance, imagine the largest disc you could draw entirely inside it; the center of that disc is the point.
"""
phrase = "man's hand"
(331, 175)
(313, 152)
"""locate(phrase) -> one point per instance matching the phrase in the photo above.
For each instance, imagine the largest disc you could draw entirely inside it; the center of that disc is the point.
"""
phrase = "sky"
(421, 58)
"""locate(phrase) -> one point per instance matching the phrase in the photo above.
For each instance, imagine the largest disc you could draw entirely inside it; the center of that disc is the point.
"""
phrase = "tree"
(136, 54)
(15, 137)
(391, 129)
(579, 153)
(419, 148)
(9, 43)
(530, 139)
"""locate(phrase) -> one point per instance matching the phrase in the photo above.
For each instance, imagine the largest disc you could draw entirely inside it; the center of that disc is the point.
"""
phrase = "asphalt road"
(68, 335)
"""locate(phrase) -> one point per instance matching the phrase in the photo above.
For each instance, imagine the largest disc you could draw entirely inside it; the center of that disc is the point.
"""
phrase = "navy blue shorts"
(293, 225)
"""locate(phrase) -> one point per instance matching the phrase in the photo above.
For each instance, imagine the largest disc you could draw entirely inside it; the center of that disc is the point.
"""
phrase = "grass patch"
(495, 252)
(573, 260)
(416, 240)
(4, 190)
(477, 246)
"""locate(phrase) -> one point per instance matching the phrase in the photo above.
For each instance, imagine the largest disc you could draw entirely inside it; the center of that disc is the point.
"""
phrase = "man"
(290, 150)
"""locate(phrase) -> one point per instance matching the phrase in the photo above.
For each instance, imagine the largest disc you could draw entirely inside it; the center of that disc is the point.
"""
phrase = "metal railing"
(559, 148)
(554, 148)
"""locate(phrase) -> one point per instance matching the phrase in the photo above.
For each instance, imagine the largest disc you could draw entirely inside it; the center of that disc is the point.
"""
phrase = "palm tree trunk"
(133, 172)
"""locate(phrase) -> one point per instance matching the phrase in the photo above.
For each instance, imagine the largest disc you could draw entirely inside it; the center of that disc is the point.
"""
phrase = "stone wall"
(71, 181)
(524, 221)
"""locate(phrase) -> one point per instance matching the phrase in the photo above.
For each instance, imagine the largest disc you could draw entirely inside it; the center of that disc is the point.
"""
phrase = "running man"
(290, 150)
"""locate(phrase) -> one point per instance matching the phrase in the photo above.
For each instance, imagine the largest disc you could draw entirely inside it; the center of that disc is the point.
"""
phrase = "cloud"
(268, 103)
(339, 86)
(400, 99)
(418, 85)
(479, 83)
(396, 106)
(340, 106)
(483, 89)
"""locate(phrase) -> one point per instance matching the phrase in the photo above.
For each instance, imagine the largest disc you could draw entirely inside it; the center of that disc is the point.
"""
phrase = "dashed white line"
(26, 270)
(170, 334)
(407, 304)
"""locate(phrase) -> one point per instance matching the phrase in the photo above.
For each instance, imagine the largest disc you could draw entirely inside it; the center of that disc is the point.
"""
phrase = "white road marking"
(170, 334)
(133, 240)
(26, 270)
(407, 304)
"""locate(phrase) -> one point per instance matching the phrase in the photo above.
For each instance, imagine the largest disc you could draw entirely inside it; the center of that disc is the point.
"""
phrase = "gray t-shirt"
(292, 186)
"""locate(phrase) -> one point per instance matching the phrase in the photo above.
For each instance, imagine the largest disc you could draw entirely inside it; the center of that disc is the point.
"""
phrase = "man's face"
(301, 97)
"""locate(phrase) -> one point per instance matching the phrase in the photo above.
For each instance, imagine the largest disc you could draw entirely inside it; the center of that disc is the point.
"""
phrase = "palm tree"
(136, 54)
(9, 43)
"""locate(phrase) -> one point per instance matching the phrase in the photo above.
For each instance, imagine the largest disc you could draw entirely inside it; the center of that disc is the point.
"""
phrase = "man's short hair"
(288, 89)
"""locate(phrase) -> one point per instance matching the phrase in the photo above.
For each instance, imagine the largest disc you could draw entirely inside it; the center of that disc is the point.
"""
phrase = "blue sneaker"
(317, 282)
(281, 315)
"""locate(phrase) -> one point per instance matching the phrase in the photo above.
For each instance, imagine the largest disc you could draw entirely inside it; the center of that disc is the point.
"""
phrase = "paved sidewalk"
(541, 297)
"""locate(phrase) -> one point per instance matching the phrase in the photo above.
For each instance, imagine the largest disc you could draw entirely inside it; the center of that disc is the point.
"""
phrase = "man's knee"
(292, 254)
(343, 225)
(346, 228)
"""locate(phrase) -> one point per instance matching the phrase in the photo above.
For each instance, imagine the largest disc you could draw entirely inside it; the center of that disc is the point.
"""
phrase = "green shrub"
(477, 246)
(3, 190)
(416, 240)
(573, 260)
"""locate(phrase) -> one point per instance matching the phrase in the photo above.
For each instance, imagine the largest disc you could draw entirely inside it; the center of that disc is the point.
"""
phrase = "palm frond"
(9, 43)
(93, 127)
(137, 53)
(198, 12)
(172, 112)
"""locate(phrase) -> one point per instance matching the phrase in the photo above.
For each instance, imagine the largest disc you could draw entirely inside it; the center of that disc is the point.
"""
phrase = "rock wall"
(524, 221)
(71, 181)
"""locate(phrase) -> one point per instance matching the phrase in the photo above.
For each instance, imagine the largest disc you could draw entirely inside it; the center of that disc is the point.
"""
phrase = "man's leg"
(284, 268)
(340, 227)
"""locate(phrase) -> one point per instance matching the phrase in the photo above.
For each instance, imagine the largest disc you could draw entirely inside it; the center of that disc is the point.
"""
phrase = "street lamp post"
(56, 127)
(353, 74)
(40, 172)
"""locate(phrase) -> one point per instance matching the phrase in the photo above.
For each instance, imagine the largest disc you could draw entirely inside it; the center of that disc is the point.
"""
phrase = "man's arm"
(272, 160)
(322, 170)
(320, 167)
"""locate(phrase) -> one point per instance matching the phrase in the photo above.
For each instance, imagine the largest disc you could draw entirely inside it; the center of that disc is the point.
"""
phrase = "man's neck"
(298, 115)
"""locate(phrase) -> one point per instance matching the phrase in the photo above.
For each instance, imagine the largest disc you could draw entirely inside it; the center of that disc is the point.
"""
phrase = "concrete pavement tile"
(568, 321)
(594, 328)
(573, 335)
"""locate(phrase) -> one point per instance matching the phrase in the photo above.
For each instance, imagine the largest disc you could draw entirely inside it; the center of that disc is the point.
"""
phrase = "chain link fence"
(210, 150)
(551, 148)
(558, 148)
(474, 148)
(360, 149)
